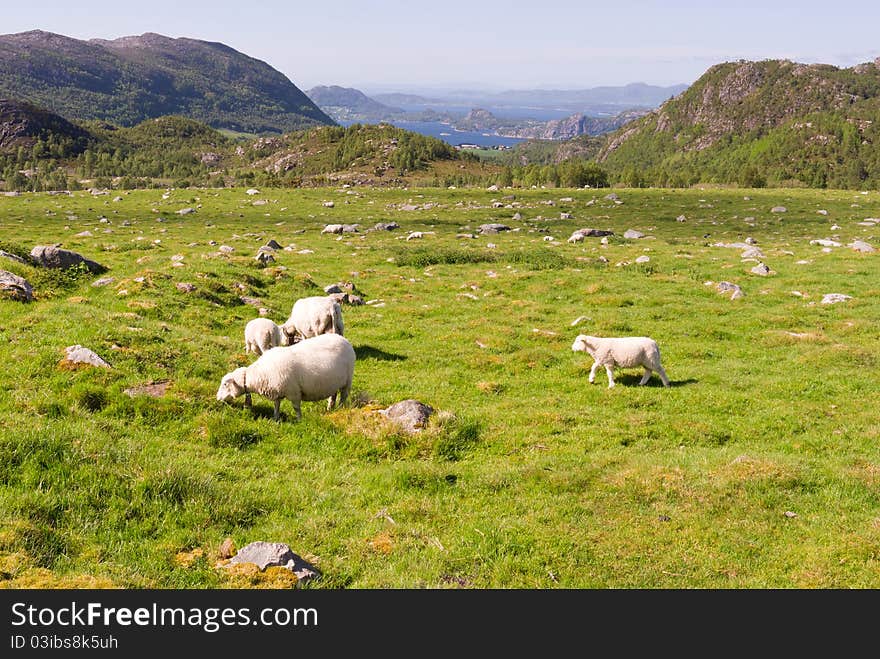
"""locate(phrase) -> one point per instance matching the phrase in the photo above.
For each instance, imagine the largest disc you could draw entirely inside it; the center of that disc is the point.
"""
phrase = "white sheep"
(311, 370)
(261, 334)
(311, 316)
(622, 352)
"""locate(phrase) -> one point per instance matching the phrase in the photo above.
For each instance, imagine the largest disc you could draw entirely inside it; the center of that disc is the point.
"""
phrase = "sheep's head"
(289, 334)
(232, 385)
(583, 343)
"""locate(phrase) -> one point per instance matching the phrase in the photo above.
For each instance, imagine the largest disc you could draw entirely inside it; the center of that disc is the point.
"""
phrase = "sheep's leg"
(277, 415)
(247, 399)
(610, 373)
(593, 372)
(662, 375)
(331, 401)
(646, 376)
(343, 394)
(296, 406)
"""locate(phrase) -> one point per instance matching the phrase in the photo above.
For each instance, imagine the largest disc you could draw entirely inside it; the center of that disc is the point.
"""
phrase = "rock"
(751, 241)
(822, 212)
(83, 234)
(185, 287)
(565, 216)
(834, 298)
(251, 191)
(516, 217)
(186, 211)
(79, 355)
(825, 242)
(226, 249)
(643, 259)
(493, 227)
(332, 228)
(414, 235)
(264, 258)
(274, 554)
(681, 218)
(580, 234)
(386, 226)
(252, 301)
(103, 281)
(13, 257)
(49, 256)
(612, 197)
(861, 246)
(328, 204)
(752, 253)
(726, 286)
(632, 234)
(778, 209)
(760, 269)
(15, 287)
(272, 245)
(410, 414)
(260, 202)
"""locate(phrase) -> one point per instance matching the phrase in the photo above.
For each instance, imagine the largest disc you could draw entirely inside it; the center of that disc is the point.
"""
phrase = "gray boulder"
(632, 234)
(274, 554)
(13, 257)
(49, 256)
(493, 227)
(386, 226)
(15, 287)
(80, 355)
(410, 414)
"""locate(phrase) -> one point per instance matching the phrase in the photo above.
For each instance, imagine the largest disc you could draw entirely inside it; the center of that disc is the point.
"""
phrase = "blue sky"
(492, 44)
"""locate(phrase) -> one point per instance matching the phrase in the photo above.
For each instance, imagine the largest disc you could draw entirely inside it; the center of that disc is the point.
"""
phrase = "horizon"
(591, 45)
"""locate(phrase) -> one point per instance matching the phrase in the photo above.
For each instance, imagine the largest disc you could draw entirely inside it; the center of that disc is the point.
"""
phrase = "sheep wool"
(312, 316)
(310, 370)
(622, 352)
(261, 334)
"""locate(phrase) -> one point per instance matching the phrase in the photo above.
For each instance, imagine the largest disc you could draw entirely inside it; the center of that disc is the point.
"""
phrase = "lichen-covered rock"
(77, 354)
(274, 554)
(409, 414)
(15, 287)
(49, 256)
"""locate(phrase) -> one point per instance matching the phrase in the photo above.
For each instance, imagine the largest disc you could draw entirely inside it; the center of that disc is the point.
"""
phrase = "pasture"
(758, 468)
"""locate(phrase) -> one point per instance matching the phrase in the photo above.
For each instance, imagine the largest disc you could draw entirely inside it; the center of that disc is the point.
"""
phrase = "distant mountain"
(130, 79)
(772, 121)
(348, 104)
(480, 120)
(23, 124)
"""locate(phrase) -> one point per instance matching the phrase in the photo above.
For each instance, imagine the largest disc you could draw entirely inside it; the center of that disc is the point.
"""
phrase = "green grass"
(527, 477)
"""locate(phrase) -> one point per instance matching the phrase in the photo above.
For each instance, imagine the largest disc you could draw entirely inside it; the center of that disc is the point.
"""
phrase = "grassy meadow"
(758, 468)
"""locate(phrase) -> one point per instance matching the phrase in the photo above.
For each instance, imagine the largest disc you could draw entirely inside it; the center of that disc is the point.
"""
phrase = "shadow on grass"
(369, 352)
(633, 381)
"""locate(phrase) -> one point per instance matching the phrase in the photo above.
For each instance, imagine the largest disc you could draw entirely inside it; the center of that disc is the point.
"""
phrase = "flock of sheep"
(308, 358)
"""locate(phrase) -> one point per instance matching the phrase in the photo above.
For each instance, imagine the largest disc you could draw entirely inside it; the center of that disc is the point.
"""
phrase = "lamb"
(310, 370)
(261, 334)
(622, 352)
(311, 316)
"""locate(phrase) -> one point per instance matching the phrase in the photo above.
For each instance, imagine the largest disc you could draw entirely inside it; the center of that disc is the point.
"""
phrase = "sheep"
(313, 369)
(622, 352)
(311, 316)
(261, 334)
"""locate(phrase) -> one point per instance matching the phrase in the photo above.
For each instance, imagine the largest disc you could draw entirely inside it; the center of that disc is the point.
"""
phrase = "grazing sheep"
(313, 369)
(622, 352)
(311, 316)
(260, 334)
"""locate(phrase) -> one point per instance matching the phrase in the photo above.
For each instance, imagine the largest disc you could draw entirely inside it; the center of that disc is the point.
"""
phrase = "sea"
(451, 136)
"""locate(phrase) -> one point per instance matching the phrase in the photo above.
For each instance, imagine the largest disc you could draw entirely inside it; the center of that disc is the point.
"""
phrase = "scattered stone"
(789, 514)
(274, 554)
(778, 209)
(251, 191)
(516, 217)
(272, 244)
(726, 286)
(252, 301)
(861, 246)
(264, 258)
(752, 253)
(632, 234)
(751, 241)
(409, 414)
(565, 216)
(386, 226)
(415, 235)
(328, 204)
(186, 211)
(761, 269)
(580, 234)
(260, 202)
(154, 389)
(79, 355)
(15, 287)
(681, 218)
(834, 298)
(185, 287)
(822, 212)
(493, 227)
(825, 242)
(103, 281)
(612, 197)
(643, 259)
(83, 234)
(13, 257)
(50, 256)
(226, 249)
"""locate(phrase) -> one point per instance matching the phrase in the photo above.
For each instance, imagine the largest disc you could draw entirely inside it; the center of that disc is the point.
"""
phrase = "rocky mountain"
(480, 120)
(349, 104)
(780, 120)
(23, 124)
(130, 79)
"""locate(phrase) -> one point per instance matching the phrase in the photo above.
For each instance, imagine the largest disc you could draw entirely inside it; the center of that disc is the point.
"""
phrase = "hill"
(479, 119)
(349, 104)
(772, 122)
(128, 80)
(23, 124)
